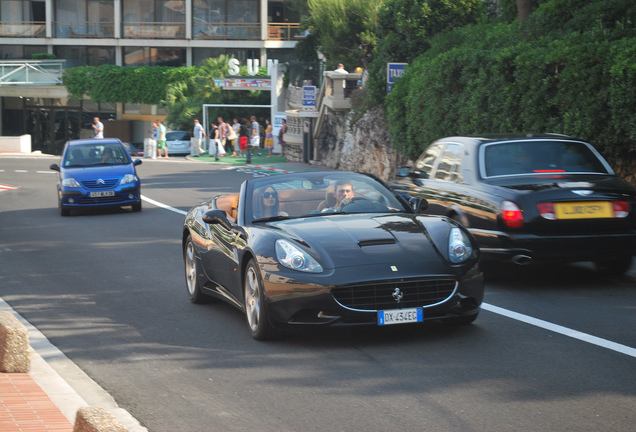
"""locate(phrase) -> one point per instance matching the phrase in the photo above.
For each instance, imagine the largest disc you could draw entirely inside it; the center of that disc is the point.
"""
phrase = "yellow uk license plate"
(584, 210)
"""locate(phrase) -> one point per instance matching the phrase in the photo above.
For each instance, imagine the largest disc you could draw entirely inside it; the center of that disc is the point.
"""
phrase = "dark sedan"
(97, 172)
(530, 198)
(329, 248)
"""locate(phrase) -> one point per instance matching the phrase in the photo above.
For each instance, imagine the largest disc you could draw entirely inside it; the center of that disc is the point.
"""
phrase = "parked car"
(529, 198)
(133, 150)
(372, 259)
(178, 142)
(97, 172)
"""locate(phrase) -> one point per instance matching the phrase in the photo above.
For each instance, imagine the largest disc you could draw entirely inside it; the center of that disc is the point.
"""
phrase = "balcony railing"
(145, 30)
(31, 72)
(286, 32)
(22, 29)
(226, 31)
(84, 29)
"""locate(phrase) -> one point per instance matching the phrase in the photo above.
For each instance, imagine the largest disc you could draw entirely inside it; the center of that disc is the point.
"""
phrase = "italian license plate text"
(400, 316)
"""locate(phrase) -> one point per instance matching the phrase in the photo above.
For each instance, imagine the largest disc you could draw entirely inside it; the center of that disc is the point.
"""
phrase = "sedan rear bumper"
(523, 248)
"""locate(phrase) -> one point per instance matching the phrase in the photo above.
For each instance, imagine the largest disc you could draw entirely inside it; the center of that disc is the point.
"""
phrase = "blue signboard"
(394, 70)
(309, 97)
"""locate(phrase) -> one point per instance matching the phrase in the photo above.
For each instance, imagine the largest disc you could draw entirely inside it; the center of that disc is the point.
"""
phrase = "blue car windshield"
(95, 154)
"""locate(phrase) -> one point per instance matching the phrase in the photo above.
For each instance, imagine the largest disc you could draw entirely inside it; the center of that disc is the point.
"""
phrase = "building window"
(85, 55)
(226, 19)
(84, 18)
(153, 19)
(146, 56)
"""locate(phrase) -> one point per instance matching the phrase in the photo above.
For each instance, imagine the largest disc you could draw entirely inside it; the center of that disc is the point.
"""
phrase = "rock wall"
(365, 147)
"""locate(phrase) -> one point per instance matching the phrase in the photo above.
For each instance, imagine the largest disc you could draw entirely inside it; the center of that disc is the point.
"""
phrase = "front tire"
(190, 265)
(136, 207)
(255, 306)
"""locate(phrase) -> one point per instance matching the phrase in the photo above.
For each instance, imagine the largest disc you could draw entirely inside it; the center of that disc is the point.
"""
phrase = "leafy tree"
(405, 27)
(344, 29)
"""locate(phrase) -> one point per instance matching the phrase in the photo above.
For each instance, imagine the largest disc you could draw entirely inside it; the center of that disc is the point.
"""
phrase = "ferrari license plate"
(100, 194)
(584, 210)
(400, 316)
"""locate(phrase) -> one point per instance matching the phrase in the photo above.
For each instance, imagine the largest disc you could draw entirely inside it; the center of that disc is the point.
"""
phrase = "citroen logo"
(397, 295)
(101, 181)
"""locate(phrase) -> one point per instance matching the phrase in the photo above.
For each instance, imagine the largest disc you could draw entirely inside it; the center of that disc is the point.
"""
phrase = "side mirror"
(55, 167)
(419, 204)
(217, 217)
(137, 162)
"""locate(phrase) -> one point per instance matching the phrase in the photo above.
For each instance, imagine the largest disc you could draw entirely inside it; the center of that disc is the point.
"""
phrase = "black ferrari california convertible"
(329, 248)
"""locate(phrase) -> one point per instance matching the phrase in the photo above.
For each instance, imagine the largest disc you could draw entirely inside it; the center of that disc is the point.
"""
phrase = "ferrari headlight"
(296, 259)
(459, 248)
(70, 182)
(128, 178)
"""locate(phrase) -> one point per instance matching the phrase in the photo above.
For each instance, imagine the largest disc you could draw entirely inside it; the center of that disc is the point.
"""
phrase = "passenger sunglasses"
(269, 195)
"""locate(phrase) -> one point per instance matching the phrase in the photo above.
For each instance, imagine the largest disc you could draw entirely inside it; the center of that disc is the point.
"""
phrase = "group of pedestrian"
(241, 138)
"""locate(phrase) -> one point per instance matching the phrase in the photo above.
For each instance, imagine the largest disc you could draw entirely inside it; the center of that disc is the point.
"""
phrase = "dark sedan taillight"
(621, 209)
(511, 214)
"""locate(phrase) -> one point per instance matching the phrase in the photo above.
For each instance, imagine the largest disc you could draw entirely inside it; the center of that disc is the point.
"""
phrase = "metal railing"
(226, 31)
(22, 29)
(28, 72)
(285, 32)
(84, 29)
(153, 30)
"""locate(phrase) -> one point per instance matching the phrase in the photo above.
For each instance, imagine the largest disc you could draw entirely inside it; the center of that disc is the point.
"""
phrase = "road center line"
(167, 207)
(604, 343)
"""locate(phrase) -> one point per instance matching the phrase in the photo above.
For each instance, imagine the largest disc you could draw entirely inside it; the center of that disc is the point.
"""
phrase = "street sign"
(394, 70)
(309, 98)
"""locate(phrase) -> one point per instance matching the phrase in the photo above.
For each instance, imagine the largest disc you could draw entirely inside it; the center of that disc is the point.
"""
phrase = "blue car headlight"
(70, 182)
(128, 178)
(296, 259)
(459, 247)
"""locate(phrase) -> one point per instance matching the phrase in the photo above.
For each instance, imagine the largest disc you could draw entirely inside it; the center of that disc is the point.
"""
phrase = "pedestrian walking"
(236, 126)
(98, 128)
(161, 140)
(281, 137)
(269, 138)
(255, 135)
(196, 145)
(244, 133)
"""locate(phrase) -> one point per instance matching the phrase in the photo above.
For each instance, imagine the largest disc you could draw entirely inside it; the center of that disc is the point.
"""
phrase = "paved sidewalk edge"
(64, 382)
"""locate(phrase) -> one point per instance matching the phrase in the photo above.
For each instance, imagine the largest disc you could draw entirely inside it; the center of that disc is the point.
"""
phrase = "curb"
(94, 410)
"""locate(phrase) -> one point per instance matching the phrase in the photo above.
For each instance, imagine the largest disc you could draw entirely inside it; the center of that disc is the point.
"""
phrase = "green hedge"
(493, 81)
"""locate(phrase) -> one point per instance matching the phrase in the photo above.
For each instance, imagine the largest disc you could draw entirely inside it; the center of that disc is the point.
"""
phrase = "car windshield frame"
(540, 157)
(315, 186)
(90, 155)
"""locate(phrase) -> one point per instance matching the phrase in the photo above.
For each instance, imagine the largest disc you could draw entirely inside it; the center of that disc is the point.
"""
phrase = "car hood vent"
(384, 241)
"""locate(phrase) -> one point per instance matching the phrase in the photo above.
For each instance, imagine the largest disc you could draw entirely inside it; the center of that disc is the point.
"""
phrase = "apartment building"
(125, 33)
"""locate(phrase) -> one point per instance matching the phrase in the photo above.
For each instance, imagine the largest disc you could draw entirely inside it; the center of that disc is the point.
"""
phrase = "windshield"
(318, 194)
(95, 154)
(540, 157)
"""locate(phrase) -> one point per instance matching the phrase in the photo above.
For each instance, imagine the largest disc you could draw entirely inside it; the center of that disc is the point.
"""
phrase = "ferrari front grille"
(382, 295)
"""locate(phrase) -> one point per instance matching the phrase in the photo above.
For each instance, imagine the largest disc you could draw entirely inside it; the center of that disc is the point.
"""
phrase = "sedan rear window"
(177, 136)
(539, 157)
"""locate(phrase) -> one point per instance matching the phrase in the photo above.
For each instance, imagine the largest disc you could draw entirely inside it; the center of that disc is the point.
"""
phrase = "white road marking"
(604, 343)
(167, 207)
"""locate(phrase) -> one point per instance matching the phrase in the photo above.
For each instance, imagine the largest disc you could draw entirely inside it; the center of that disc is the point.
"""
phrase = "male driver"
(344, 193)
(196, 147)
(98, 128)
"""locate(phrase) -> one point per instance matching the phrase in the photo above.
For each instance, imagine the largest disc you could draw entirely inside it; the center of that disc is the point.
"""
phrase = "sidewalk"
(48, 397)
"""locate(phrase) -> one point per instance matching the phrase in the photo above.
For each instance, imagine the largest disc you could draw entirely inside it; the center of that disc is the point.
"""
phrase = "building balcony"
(82, 29)
(226, 31)
(153, 30)
(31, 29)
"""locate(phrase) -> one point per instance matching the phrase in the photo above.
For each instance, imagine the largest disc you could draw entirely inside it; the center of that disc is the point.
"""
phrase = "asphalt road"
(554, 349)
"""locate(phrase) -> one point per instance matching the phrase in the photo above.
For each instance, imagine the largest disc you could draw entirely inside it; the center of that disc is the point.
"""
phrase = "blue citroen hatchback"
(97, 172)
